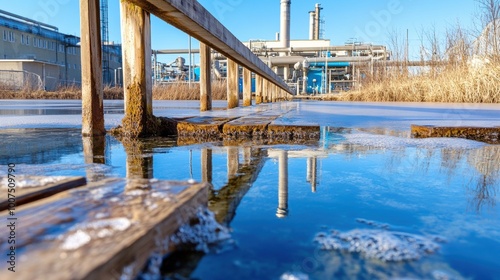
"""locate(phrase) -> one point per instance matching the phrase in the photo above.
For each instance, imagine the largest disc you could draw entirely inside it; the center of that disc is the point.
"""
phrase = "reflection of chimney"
(282, 185)
(285, 23)
(317, 21)
(312, 16)
(312, 174)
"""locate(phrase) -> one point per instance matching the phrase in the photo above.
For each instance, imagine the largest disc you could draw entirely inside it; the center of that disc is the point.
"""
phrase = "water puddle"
(391, 200)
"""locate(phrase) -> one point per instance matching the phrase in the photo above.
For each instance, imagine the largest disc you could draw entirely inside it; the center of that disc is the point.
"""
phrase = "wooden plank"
(290, 129)
(489, 135)
(250, 126)
(202, 126)
(192, 18)
(92, 94)
(27, 193)
(107, 230)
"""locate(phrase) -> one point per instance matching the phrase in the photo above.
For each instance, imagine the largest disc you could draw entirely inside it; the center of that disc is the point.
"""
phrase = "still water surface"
(276, 199)
(366, 191)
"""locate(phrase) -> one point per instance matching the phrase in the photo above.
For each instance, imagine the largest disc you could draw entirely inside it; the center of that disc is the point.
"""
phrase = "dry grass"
(182, 91)
(174, 91)
(444, 84)
(64, 92)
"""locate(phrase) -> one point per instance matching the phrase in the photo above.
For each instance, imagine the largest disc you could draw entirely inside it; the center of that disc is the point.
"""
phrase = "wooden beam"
(232, 84)
(191, 17)
(247, 87)
(137, 72)
(205, 78)
(30, 194)
(258, 89)
(92, 95)
(134, 217)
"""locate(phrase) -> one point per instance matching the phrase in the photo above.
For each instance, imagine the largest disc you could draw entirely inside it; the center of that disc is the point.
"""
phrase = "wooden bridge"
(190, 17)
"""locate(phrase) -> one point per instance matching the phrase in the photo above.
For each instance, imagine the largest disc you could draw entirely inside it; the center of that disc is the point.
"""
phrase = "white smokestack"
(317, 15)
(285, 23)
(312, 16)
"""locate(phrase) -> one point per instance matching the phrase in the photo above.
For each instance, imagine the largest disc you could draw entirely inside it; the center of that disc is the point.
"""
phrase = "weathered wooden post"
(274, 93)
(232, 84)
(266, 89)
(247, 87)
(205, 78)
(258, 89)
(92, 96)
(137, 81)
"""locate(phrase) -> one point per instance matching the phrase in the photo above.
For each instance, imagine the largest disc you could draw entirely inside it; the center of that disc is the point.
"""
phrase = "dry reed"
(460, 84)
(173, 91)
(183, 91)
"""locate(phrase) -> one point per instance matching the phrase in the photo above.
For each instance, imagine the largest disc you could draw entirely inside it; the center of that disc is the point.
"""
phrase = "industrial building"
(309, 66)
(37, 55)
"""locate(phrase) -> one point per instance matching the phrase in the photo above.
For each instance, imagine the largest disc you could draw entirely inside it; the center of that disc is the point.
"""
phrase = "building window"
(61, 48)
(12, 36)
(27, 42)
(5, 35)
(45, 44)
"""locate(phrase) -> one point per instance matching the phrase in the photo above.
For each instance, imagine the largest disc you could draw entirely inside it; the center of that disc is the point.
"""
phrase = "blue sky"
(365, 20)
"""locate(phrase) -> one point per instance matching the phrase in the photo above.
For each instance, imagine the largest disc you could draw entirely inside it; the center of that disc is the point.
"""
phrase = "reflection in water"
(232, 162)
(282, 185)
(139, 161)
(484, 190)
(222, 202)
(38, 146)
(481, 182)
(206, 165)
(312, 173)
(94, 151)
(472, 173)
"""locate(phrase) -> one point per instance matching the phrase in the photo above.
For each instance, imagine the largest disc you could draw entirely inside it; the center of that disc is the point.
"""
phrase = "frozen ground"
(395, 116)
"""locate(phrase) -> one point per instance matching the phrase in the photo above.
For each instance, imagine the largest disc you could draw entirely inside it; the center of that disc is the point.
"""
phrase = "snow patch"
(379, 244)
(32, 181)
(84, 233)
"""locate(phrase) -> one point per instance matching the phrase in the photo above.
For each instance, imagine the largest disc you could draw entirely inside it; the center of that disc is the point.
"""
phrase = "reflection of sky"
(419, 186)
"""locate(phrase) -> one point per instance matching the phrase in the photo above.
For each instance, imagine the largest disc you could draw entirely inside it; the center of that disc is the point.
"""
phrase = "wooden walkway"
(104, 230)
(271, 124)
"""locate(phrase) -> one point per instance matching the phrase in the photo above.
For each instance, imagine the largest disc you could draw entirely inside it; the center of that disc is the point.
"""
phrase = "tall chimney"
(317, 21)
(285, 23)
(311, 24)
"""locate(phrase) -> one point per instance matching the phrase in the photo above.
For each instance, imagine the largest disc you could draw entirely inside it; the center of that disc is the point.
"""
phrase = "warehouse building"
(35, 54)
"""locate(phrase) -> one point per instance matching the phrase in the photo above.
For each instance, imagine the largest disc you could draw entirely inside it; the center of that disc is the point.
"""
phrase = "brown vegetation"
(63, 92)
(463, 67)
(173, 91)
(451, 84)
(182, 91)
